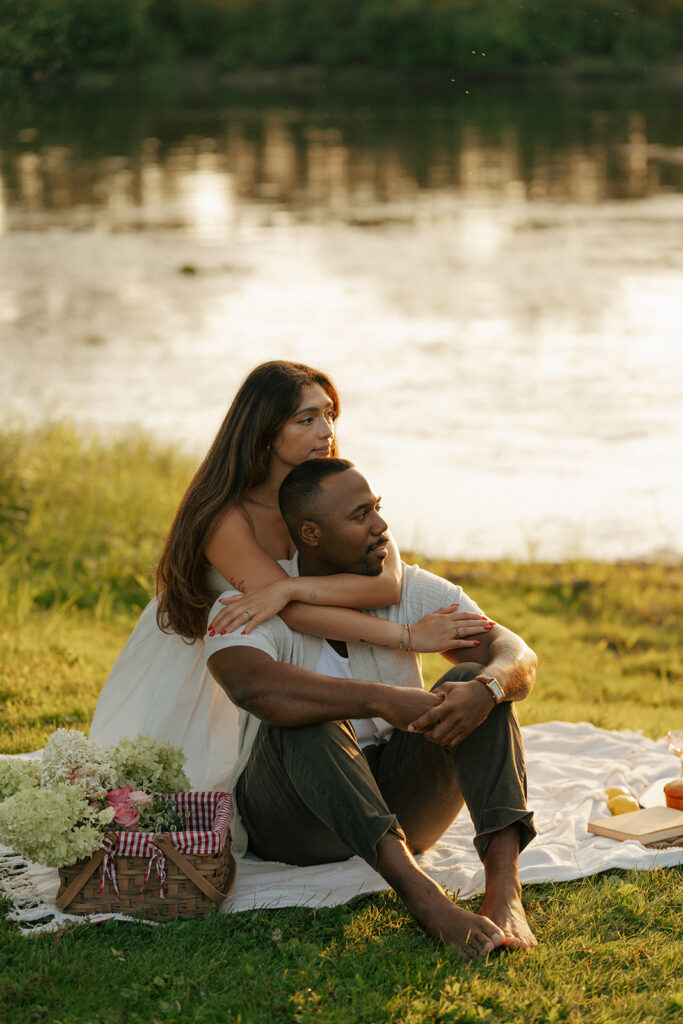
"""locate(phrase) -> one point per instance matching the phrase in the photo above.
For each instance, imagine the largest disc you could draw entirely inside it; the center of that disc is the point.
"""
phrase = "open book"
(647, 826)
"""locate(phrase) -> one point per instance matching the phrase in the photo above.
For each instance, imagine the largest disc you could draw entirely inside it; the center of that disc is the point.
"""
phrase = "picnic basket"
(158, 876)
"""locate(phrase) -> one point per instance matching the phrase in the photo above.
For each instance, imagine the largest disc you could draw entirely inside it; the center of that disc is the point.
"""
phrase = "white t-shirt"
(332, 664)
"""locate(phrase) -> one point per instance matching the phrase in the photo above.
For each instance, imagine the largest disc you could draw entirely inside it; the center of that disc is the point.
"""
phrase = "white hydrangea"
(55, 827)
(16, 774)
(69, 756)
(52, 811)
(154, 766)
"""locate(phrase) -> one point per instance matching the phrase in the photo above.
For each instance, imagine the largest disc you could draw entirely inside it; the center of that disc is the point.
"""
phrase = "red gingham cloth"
(210, 815)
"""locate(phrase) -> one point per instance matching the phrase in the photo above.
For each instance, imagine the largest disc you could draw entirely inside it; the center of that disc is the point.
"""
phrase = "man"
(307, 793)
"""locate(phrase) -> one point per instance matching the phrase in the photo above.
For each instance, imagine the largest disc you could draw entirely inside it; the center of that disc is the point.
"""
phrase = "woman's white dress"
(160, 686)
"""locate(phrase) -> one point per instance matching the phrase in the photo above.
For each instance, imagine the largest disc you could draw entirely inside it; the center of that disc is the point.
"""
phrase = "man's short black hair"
(301, 486)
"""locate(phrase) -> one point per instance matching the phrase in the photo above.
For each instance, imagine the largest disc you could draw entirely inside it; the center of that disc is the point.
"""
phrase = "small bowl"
(673, 792)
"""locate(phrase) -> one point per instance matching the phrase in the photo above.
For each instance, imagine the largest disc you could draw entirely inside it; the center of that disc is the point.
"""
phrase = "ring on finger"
(457, 632)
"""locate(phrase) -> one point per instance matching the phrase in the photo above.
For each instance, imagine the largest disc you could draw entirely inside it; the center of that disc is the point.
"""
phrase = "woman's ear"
(309, 532)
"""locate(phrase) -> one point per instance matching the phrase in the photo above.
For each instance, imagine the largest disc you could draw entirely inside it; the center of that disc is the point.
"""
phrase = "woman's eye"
(306, 422)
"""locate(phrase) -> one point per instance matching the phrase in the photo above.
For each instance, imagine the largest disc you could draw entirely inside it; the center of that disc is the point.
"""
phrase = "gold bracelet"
(410, 637)
(400, 642)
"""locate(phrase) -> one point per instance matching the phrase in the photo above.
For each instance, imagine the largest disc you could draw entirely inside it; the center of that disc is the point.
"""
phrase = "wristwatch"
(493, 686)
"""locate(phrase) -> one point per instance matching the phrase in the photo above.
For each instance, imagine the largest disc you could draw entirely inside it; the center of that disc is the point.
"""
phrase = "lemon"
(613, 791)
(622, 804)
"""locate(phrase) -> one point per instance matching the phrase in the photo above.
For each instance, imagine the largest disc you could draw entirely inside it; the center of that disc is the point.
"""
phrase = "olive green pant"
(310, 795)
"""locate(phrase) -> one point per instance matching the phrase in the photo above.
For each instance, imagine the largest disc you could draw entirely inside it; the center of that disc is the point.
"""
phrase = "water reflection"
(494, 285)
(358, 166)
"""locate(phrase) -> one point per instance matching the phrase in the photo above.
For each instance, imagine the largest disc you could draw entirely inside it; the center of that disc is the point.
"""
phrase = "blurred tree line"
(58, 39)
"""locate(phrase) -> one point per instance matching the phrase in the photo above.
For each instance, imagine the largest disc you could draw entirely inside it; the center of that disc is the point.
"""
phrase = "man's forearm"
(506, 656)
(290, 696)
(513, 665)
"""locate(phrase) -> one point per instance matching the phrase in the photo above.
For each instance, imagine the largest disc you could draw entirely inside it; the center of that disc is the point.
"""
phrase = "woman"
(228, 531)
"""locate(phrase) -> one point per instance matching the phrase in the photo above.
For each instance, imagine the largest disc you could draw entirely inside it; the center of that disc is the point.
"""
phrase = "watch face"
(494, 687)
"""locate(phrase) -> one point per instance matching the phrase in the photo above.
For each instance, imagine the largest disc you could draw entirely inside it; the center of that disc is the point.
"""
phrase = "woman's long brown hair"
(238, 460)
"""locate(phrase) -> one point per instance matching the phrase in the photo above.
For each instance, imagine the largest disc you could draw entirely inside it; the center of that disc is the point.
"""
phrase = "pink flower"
(126, 815)
(116, 797)
(140, 799)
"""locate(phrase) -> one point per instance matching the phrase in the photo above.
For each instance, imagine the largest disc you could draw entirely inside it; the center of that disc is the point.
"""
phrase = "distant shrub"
(42, 39)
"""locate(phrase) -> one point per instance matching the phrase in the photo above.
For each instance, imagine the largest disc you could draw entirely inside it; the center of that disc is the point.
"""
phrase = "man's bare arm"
(289, 696)
(466, 704)
(506, 656)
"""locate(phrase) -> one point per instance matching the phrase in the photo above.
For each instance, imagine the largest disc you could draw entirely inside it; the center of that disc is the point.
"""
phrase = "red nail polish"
(477, 643)
(244, 632)
(223, 632)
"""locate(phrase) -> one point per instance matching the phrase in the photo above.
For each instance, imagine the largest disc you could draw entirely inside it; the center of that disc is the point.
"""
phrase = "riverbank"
(81, 526)
(192, 79)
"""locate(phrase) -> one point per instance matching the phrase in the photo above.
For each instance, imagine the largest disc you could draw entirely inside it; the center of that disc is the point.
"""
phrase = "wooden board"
(646, 826)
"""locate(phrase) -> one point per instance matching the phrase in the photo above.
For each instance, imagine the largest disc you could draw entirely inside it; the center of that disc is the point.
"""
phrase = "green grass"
(81, 523)
(609, 951)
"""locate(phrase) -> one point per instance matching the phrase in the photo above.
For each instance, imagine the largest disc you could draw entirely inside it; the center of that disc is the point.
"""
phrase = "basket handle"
(165, 844)
(64, 899)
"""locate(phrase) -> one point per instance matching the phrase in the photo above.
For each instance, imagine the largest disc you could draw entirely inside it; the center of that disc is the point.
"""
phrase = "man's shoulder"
(424, 591)
(272, 637)
(417, 579)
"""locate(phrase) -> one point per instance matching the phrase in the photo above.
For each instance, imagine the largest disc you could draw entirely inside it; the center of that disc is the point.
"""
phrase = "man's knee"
(460, 673)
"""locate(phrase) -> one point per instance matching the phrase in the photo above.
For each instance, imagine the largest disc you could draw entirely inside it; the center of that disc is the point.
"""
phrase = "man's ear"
(310, 532)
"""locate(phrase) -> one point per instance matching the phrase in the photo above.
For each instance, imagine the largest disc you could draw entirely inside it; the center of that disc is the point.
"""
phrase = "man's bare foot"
(473, 935)
(503, 899)
(505, 909)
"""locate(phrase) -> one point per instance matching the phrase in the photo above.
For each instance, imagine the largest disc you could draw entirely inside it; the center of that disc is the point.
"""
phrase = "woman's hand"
(447, 629)
(251, 608)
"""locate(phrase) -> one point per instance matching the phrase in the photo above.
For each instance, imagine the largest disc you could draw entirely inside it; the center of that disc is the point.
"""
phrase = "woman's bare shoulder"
(234, 550)
(234, 526)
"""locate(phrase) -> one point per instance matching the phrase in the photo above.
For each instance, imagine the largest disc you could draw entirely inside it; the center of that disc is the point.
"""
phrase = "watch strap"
(493, 686)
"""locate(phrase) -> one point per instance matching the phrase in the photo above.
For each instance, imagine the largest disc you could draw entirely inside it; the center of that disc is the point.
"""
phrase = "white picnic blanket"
(569, 765)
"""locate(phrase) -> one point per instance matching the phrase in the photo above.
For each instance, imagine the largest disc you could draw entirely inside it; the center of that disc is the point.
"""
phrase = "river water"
(492, 276)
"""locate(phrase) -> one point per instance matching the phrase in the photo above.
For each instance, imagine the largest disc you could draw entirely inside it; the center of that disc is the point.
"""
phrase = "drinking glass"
(674, 740)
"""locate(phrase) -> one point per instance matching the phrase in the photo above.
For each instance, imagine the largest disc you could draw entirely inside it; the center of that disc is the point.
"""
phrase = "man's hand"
(463, 706)
(404, 704)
